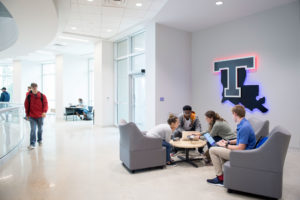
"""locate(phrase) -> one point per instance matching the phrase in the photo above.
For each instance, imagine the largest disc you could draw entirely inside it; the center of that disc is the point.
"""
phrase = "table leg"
(187, 158)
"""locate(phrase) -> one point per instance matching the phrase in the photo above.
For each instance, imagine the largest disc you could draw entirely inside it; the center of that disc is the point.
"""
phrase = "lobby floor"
(78, 161)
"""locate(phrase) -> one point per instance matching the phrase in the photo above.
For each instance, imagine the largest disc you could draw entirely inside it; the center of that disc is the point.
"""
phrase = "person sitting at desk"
(164, 131)
(81, 109)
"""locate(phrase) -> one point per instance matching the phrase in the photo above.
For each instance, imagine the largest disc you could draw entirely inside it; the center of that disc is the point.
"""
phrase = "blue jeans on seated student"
(36, 122)
(168, 149)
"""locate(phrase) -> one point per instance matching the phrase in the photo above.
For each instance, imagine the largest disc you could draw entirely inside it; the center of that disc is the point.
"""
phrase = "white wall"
(173, 71)
(275, 36)
(108, 83)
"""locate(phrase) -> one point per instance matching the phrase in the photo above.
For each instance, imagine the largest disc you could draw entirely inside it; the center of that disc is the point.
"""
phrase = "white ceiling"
(37, 23)
(194, 15)
(99, 19)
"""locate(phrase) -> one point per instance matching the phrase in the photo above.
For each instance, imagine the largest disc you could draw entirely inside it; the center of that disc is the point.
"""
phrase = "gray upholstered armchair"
(138, 151)
(259, 171)
(261, 127)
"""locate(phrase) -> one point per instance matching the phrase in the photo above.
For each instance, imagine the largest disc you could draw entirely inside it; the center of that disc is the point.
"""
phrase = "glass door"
(138, 100)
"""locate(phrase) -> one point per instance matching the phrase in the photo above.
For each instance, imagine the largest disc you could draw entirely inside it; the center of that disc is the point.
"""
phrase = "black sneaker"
(171, 163)
(215, 181)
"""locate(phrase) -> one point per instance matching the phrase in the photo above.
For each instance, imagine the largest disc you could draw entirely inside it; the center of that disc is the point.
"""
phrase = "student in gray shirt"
(164, 131)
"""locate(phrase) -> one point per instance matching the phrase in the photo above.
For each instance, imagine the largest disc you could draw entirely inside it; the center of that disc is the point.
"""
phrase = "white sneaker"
(30, 147)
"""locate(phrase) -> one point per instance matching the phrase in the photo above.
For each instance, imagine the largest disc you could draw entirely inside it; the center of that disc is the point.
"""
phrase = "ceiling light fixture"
(139, 4)
(73, 28)
(71, 38)
(90, 0)
(108, 30)
(219, 3)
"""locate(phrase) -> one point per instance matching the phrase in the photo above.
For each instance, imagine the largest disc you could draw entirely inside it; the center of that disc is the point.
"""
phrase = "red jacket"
(36, 106)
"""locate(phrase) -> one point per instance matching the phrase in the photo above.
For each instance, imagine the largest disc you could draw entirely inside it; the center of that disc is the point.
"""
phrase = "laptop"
(210, 139)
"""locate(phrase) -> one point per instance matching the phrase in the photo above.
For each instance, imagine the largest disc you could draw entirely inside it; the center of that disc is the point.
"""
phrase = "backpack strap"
(28, 99)
(42, 99)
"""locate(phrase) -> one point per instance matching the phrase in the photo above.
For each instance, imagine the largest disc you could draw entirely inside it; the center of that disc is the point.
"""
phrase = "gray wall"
(275, 36)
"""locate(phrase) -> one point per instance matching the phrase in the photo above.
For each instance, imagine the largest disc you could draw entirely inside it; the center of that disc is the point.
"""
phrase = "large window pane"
(6, 78)
(139, 98)
(138, 63)
(138, 43)
(123, 90)
(122, 48)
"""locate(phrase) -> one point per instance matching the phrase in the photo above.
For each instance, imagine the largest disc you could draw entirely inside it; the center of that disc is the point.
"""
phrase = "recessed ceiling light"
(139, 4)
(218, 3)
(73, 28)
(108, 30)
(90, 0)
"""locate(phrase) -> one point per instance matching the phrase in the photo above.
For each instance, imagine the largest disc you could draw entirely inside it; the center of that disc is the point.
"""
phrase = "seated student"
(81, 109)
(218, 128)
(164, 131)
(245, 140)
(188, 121)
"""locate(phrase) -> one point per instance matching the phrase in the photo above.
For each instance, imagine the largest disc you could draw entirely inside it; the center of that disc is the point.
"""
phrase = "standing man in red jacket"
(36, 107)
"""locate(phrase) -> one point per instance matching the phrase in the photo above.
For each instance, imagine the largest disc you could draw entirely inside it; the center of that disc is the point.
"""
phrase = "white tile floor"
(79, 161)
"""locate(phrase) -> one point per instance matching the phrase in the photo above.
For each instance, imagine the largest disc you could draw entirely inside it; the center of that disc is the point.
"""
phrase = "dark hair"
(239, 110)
(172, 119)
(4, 88)
(33, 85)
(215, 116)
(187, 107)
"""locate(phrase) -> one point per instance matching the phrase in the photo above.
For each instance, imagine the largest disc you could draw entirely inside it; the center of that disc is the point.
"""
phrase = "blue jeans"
(36, 122)
(168, 149)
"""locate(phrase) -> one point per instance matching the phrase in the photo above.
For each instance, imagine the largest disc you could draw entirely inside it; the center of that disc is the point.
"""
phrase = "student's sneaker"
(171, 163)
(215, 181)
(30, 147)
(40, 143)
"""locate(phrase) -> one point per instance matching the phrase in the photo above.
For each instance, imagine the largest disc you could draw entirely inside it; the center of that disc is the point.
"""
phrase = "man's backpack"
(28, 99)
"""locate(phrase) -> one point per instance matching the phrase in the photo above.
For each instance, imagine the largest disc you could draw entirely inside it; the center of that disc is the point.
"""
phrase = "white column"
(108, 83)
(59, 83)
(98, 90)
(16, 97)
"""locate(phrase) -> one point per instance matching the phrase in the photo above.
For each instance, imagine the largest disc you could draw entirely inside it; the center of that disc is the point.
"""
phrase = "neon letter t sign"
(231, 66)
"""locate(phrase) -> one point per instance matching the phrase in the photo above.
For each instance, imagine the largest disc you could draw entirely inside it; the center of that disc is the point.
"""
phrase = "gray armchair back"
(138, 151)
(261, 127)
(259, 171)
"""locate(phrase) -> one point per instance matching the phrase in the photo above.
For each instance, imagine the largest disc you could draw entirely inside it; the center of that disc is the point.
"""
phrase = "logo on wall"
(233, 76)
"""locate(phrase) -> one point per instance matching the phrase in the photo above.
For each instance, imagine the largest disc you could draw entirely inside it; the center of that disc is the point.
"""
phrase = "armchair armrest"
(254, 159)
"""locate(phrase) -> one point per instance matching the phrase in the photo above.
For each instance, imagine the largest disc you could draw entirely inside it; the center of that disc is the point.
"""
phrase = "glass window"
(130, 101)
(138, 43)
(122, 49)
(138, 63)
(6, 78)
(123, 90)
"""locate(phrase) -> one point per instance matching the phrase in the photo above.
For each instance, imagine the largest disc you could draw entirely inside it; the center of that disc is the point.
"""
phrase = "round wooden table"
(188, 145)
